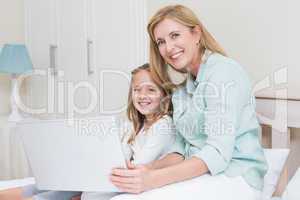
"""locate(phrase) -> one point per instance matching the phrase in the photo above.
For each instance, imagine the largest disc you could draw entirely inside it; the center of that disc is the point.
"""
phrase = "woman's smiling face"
(178, 44)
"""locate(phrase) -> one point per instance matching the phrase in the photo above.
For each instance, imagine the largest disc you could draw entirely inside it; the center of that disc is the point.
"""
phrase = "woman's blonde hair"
(184, 16)
(135, 116)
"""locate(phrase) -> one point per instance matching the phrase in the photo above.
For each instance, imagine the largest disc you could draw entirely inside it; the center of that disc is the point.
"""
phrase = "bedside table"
(17, 189)
(13, 162)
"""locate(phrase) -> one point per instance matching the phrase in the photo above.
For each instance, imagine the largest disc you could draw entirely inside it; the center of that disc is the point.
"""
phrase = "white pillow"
(276, 159)
(292, 190)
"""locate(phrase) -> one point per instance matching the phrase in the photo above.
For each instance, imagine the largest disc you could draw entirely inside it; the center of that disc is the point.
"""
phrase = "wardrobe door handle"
(89, 54)
(53, 51)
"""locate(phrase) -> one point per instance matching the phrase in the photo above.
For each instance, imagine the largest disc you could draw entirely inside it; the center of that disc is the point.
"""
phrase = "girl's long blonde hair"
(135, 116)
(184, 16)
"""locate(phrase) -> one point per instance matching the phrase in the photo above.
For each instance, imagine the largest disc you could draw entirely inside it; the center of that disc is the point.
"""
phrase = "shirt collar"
(191, 82)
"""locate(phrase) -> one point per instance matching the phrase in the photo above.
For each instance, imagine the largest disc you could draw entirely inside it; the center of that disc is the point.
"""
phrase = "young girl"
(149, 107)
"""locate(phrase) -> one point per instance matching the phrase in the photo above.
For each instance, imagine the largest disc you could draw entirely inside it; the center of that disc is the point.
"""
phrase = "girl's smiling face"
(178, 44)
(146, 95)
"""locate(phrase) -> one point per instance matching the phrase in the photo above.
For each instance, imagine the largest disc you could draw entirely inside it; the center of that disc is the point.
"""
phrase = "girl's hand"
(135, 179)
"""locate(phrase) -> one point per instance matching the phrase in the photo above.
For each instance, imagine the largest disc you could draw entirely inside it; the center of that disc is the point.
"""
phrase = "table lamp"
(14, 60)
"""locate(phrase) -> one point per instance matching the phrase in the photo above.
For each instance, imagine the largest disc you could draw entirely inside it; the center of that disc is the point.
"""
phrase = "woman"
(214, 117)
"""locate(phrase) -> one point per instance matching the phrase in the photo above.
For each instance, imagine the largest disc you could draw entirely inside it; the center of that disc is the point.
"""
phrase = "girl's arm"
(158, 139)
(140, 178)
(154, 147)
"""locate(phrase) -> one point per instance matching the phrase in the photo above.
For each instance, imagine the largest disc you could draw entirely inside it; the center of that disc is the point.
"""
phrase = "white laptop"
(72, 155)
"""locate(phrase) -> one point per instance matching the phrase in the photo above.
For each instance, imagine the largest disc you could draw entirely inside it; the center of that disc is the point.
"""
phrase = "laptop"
(73, 155)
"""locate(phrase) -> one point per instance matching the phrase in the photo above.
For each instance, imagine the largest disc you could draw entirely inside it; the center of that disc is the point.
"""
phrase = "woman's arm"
(168, 160)
(140, 178)
(187, 169)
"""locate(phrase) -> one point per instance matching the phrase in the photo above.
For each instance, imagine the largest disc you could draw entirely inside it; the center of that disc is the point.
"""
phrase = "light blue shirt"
(214, 115)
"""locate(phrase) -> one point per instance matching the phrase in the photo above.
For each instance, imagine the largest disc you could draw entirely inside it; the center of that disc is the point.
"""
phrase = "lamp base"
(15, 117)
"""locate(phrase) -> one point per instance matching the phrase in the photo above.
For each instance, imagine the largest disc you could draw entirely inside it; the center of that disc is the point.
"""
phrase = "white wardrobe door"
(38, 31)
(72, 53)
(72, 38)
(116, 26)
(39, 36)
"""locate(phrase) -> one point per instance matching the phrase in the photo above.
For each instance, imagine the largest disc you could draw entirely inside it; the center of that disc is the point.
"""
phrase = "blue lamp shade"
(14, 59)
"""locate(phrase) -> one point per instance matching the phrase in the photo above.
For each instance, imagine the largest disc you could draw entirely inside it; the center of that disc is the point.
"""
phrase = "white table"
(13, 162)
(281, 115)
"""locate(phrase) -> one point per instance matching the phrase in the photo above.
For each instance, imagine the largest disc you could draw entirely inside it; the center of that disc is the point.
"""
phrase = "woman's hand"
(135, 179)
(76, 197)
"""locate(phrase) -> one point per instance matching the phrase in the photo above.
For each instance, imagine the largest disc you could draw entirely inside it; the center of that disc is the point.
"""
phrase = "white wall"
(256, 33)
(11, 31)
